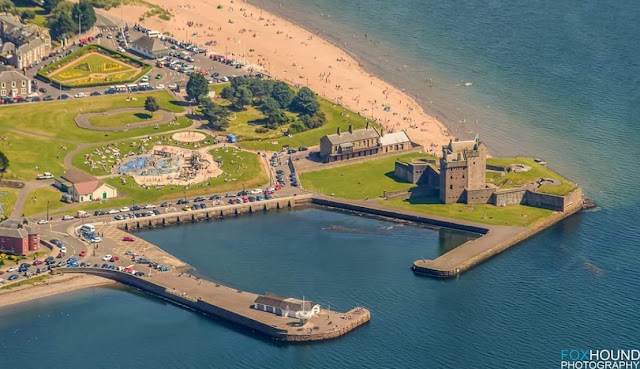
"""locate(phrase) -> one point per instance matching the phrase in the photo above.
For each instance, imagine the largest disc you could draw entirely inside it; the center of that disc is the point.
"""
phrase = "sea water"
(554, 79)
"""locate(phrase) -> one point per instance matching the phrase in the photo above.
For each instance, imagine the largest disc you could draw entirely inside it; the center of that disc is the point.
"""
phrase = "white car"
(12, 269)
(43, 221)
(149, 206)
(63, 249)
(120, 49)
(124, 209)
(113, 211)
(1, 280)
(160, 87)
(95, 240)
(67, 217)
(79, 95)
(45, 175)
(107, 257)
(257, 191)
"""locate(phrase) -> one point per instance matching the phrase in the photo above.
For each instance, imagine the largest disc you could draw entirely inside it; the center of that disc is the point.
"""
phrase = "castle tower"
(463, 166)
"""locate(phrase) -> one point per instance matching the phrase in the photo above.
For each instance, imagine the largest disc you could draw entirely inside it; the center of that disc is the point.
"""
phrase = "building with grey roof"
(14, 83)
(149, 47)
(19, 237)
(22, 45)
(285, 306)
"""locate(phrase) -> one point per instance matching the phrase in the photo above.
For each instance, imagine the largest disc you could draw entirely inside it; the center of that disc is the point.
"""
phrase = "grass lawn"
(514, 179)
(36, 202)
(516, 215)
(123, 119)
(136, 146)
(8, 198)
(360, 180)
(55, 118)
(25, 152)
(24, 282)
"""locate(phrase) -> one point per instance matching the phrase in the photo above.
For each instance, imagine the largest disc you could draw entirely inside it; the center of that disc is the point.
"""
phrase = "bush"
(297, 127)
(261, 130)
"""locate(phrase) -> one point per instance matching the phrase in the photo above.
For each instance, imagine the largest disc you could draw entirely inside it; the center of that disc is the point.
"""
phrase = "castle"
(461, 178)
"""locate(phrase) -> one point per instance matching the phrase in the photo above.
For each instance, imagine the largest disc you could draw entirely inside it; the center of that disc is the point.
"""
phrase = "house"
(149, 47)
(286, 307)
(351, 144)
(14, 84)
(82, 187)
(19, 237)
(22, 45)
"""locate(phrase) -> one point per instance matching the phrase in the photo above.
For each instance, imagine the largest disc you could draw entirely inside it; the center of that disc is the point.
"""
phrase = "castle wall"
(553, 202)
(480, 196)
(453, 181)
(513, 196)
(418, 173)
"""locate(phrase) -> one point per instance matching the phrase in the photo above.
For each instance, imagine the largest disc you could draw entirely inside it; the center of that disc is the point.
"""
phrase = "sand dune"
(291, 53)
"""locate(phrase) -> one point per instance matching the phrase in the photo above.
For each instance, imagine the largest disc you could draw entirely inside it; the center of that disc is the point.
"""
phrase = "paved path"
(24, 193)
(82, 120)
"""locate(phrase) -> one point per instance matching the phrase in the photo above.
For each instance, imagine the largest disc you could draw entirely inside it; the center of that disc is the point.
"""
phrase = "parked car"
(149, 206)
(13, 277)
(107, 257)
(182, 201)
(83, 253)
(67, 217)
(113, 211)
(128, 238)
(165, 204)
(199, 199)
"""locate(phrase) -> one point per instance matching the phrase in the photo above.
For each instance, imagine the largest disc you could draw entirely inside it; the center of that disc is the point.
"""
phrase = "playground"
(169, 165)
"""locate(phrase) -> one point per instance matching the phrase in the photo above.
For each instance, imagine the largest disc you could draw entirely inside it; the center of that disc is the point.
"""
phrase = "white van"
(87, 228)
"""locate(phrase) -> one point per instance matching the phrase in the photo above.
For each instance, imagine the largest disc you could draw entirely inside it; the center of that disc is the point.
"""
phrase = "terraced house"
(22, 45)
(13, 84)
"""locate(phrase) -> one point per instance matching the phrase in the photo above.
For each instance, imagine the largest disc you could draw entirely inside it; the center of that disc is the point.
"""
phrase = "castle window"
(451, 187)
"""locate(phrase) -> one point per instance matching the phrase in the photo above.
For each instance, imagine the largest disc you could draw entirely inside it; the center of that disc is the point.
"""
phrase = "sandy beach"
(55, 285)
(291, 53)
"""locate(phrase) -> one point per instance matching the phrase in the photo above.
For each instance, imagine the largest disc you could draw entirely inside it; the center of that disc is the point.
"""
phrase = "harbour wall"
(210, 309)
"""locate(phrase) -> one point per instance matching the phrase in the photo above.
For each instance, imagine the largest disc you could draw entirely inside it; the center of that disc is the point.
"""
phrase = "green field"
(56, 118)
(36, 202)
(123, 119)
(25, 152)
(8, 198)
(135, 146)
(359, 181)
(514, 179)
(515, 215)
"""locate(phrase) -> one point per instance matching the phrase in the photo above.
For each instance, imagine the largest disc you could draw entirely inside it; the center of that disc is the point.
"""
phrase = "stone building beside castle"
(460, 177)
(362, 142)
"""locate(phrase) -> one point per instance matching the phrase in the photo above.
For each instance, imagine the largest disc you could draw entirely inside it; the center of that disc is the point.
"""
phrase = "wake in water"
(343, 229)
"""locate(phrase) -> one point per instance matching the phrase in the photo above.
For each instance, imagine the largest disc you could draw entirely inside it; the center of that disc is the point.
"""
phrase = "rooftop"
(12, 75)
(76, 176)
(394, 138)
(149, 44)
(284, 303)
(357, 135)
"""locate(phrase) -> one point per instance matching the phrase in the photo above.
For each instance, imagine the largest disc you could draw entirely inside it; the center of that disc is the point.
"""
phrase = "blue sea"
(551, 79)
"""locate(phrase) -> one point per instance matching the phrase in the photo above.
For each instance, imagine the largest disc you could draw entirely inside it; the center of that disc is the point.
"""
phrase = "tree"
(216, 115)
(197, 86)
(282, 93)
(276, 119)
(318, 119)
(61, 25)
(6, 6)
(305, 102)
(241, 97)
(268, 106)
(4, 163)
(227, 92)
(84, 13)
(50, 5)
(28, 15)
(151, 104)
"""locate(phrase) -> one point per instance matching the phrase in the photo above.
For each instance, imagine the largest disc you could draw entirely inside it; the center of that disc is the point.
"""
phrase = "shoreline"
(291, 53)
(55, 285)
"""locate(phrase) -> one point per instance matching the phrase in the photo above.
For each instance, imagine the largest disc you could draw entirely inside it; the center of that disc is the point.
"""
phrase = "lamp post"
(47, 210)
(79, 23)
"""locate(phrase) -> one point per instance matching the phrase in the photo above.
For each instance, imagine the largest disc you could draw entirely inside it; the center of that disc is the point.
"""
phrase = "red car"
(83, 253)
(278, 187)
(60, 255)
(114, 258)
(128, 239)
(38, 262)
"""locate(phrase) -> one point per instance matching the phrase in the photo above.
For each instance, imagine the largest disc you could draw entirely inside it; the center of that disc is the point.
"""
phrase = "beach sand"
(57, 284)
(291, 53)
